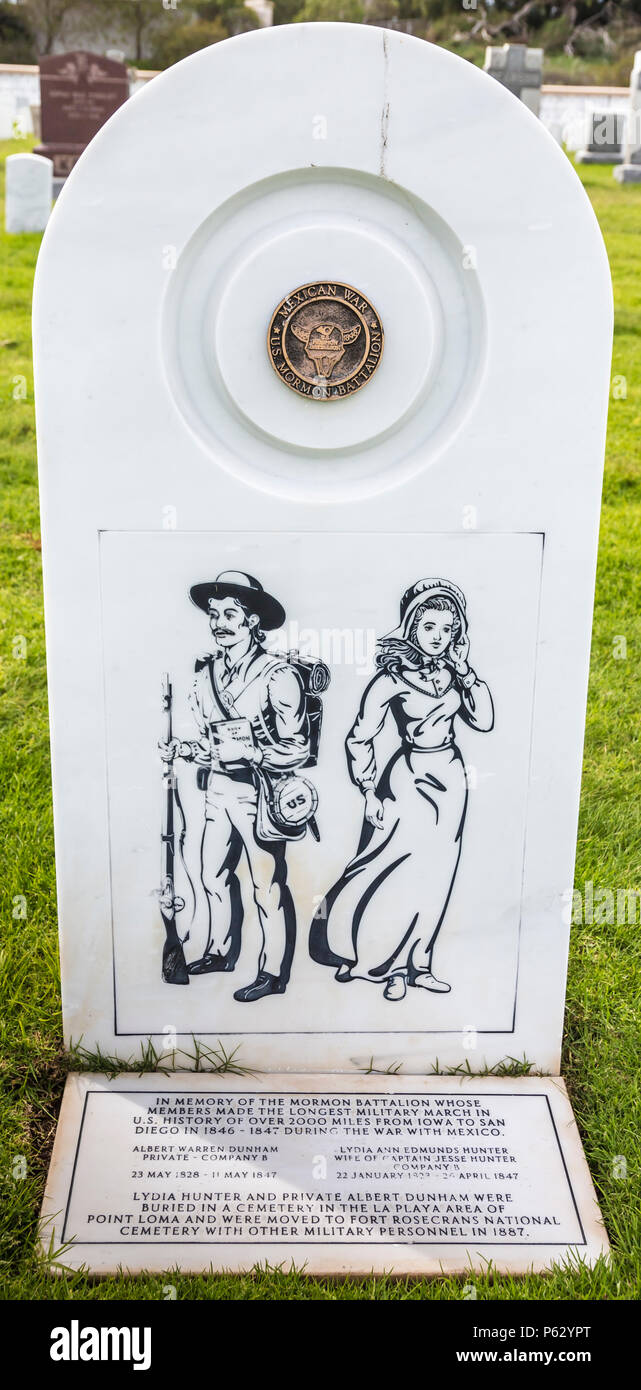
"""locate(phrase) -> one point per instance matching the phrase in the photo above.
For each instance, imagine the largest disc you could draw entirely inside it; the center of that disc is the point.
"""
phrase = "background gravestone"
(331, 466)
(29, 192)
(518, 68)
(630, 169)
(79, 91)
(601, 138)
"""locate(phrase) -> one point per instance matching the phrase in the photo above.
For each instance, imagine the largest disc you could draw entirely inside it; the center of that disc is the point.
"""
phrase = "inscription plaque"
(340, 1173)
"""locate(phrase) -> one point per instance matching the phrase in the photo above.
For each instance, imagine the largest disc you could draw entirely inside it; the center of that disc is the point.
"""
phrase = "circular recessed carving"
(361, 233)
(325, 340)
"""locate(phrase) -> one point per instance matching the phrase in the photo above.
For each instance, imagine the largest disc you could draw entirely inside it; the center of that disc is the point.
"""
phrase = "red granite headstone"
(78, 92)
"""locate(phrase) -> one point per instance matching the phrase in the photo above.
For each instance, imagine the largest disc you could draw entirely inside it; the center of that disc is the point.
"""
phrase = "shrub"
(344, 11)
(17, 43)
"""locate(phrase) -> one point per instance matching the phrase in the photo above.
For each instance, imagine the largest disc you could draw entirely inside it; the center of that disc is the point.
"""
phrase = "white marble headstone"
(466, 471)
(29, 192)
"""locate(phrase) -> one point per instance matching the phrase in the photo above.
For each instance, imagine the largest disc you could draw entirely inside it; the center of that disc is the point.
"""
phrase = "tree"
(232, 14)
(140, 22)
(185, 39)
(17, 44)
(201, 23)
(47, 19)
(285, 10)
(518, 21)
(345, 11)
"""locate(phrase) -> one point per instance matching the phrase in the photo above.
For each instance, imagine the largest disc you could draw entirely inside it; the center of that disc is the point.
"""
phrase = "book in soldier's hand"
(231, 740)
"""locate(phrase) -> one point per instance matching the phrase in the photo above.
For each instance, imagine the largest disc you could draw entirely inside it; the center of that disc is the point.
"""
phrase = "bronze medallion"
(325, 341)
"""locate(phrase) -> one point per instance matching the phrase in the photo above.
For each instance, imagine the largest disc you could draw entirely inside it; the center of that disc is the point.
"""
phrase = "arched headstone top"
(29, 192)
(316, 152)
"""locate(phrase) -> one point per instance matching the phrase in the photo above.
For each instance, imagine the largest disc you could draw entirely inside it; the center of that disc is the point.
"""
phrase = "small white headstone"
(29, 192)
(630, 170)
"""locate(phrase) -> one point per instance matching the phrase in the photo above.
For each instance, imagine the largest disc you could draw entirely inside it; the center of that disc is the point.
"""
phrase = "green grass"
(601, 1056)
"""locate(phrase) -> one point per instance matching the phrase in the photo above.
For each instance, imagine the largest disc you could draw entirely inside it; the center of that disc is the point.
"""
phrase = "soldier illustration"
(258, 719)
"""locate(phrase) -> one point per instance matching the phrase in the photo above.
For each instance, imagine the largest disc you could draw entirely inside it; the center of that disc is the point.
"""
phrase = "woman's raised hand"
(374, 810)
(460, 651)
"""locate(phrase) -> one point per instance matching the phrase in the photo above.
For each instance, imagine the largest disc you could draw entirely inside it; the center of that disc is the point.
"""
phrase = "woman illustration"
(381, 919)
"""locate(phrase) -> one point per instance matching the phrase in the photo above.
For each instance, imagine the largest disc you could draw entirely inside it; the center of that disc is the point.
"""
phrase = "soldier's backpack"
(315, 677)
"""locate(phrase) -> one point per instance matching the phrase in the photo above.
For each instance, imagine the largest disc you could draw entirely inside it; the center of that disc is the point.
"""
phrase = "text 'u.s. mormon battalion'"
(325, 340)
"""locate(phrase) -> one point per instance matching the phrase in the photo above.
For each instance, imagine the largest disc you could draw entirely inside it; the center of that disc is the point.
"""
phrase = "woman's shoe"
(396, 986)
(344, 974)
(426, 980)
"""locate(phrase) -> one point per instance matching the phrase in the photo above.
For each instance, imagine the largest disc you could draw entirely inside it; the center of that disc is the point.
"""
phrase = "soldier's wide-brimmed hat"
(249, 591)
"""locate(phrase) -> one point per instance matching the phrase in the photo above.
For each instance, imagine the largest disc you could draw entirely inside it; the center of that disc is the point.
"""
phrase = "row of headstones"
(606, 137)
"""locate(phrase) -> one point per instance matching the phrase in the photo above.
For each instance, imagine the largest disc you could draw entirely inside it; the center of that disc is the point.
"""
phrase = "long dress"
(385, 911)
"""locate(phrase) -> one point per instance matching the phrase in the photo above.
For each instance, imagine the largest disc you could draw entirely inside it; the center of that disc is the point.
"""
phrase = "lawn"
(601, 1063)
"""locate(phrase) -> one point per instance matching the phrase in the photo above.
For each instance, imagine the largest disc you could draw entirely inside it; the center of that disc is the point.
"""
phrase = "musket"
(174, 966)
